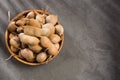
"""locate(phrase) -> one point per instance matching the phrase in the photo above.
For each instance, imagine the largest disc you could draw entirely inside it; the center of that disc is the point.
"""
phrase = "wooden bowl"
(15, 55)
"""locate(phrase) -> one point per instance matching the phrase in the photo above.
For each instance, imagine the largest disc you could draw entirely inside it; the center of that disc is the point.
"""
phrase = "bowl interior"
(15, 55)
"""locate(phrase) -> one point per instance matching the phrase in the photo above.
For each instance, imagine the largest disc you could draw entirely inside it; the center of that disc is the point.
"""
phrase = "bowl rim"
(15, 55)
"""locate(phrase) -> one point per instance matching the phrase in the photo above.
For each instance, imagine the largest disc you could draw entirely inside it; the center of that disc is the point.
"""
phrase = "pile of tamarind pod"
(34, 36)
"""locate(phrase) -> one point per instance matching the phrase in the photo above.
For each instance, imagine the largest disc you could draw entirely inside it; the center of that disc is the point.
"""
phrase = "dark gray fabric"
(91, 49)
